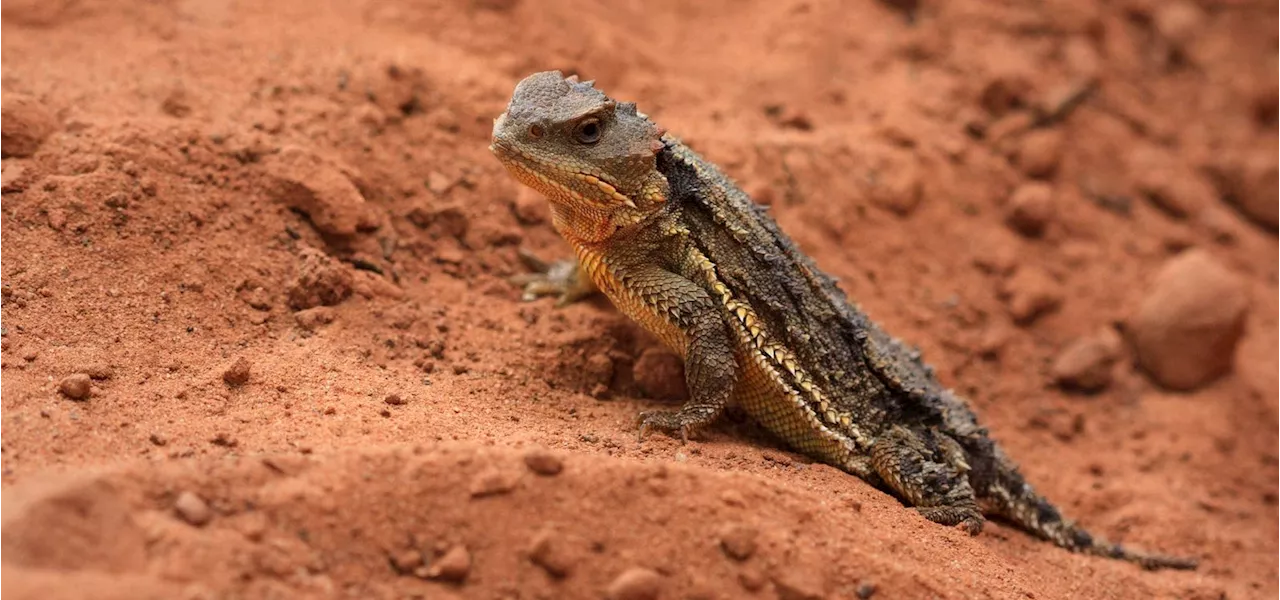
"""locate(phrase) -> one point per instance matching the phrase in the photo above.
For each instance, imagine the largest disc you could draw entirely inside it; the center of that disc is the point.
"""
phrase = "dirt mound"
(532, 523)
(242, 236)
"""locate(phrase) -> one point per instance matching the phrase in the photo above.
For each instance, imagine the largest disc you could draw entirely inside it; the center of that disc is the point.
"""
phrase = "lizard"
(679, 248)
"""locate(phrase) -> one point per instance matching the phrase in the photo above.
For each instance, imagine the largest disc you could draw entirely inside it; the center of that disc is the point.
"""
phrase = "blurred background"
(258, 338)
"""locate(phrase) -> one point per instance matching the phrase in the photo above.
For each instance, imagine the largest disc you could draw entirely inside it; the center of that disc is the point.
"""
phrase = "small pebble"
(599, 369)
(752, 580)
(543, 462)
(898, 189)
(865, 591)
(548, 551)
(311, 319)
(393, 400)
(76, 387)
(1220, 224)
(1031, 209)
(739, 541)
(453, 566)
(1031, 294)
(492, 482)
(529, 207)
(97, 370)
(797, 586)
(1040, 152)
(238, 373)
(406, 561)
(636, 583)
(27, 122)
(1250, 185)
(1086, 364)
(158, 439)
(192, 509)
(1177, 21)
(224, 439)
(660, 374)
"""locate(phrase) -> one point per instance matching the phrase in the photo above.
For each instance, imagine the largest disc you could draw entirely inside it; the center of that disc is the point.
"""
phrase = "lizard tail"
(1011, 497)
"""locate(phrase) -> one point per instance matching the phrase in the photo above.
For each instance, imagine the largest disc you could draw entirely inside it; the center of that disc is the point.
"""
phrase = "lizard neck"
(583, 224)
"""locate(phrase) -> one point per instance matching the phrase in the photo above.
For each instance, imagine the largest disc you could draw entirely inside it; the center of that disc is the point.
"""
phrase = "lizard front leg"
(682, 314)
(564, 279)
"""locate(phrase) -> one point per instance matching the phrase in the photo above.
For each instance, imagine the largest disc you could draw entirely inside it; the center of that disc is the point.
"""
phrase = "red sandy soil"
(193, 173)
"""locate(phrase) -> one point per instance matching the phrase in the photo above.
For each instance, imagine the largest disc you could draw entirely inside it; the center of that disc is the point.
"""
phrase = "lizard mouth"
(553, 179)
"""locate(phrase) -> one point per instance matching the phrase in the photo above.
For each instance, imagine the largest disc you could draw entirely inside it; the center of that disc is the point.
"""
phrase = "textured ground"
(182, 177)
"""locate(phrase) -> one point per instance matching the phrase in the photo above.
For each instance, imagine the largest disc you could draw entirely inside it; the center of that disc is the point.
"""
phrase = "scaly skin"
(677, 247)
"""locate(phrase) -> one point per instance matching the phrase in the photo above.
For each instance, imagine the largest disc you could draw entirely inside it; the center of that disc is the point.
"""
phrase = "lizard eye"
(588, 131)
(536, 131)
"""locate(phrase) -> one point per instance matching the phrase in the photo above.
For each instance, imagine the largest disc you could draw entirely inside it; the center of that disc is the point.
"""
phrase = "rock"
(738, 541)
(57, 219)
(1177, 22)
(311, 319)
(405, 561)
(1030, 294)
(997, 255)
(439, 183)
(1186, 329)
(1251, 186)
(1168, 185)
(543, 462)
(14, 177)
(97, 370)
(394, 400)
(454, 566)
(793, 585)
(238, 373)
(1004, 92)
(321, 281)
(1086, 363)
(548, 552)
(76, 387)
(897, 188)
(1030, 209)
(993, 341)
(598, 371)
(320, 188)
(1081, 57)
(492, 482)
(27, 122)
(660, 374)
(636, 583)
(1040, 152)
(192, 509)
(441, 221)
(1221, 224)
(751, 579)
(529, 207)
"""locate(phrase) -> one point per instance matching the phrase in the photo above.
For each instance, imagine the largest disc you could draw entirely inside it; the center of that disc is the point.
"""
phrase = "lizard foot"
(690, 419)
(561, 278)
(964, 518)
(661, 420)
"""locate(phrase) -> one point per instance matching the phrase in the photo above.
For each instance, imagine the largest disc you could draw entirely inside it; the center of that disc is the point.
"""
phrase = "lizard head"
(592, 157)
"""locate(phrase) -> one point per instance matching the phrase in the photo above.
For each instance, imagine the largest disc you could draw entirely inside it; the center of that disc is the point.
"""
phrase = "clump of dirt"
(259, 336)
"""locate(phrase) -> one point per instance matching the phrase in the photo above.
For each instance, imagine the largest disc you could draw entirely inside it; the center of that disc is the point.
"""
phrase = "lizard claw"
(669, 422)
(561, 278)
